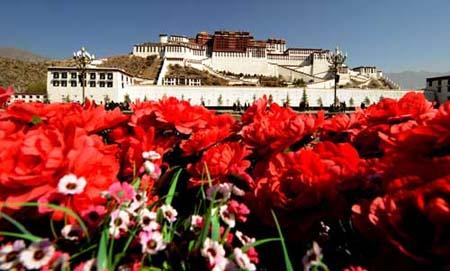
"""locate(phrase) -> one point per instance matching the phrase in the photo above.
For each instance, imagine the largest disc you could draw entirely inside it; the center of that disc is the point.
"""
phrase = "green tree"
(126, 98)
(67, 98)
(299, 82)
(351, 102)
(381, 97)
(320, 102)
(220, 100)
(37, 87)
(304, 96)
(366, 101)
(106, 99)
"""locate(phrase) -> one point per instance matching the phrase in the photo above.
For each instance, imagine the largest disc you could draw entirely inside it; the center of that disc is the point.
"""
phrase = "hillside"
(24, 75)
(207, 78)
(413, 79)
(19, 54)
(146, 68)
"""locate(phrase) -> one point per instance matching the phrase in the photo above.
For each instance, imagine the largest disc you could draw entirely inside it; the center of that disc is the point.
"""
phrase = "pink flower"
(240, 210)
(121, 192)
(93, 215)
(213, 251)
(196, 223)
(152, 242)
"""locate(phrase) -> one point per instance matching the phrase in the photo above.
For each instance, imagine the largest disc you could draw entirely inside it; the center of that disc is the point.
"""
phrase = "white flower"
(119, 223)
(152, 242)
(312, 256)
(71, 185)
(90, 265)
(153, 170)
(37, 255)
(213, 251)
(139, 201)
(147, 220)
(169, 213)
(245, 240)
(225, 265)
(9, 254)
(242, 260)
(227, 217)
(219, 191)
(196, 222)
(151, 155)
(71, 232)
(223, 191)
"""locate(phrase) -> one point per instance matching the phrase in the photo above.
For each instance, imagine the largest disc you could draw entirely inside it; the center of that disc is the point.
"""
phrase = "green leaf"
(16, 223)
(287, 260)
(29, 237)
(173, 187)
(35, 120)
(102, 256)
(215, 227)
(65, 210)
(259, 242)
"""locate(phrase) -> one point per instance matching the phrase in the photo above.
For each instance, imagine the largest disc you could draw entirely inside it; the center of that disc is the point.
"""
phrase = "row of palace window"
(439, 82)
(73, 75)
(74, 83)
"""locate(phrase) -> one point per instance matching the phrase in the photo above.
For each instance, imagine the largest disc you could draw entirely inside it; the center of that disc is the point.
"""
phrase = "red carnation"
(5, 94)
(221, 162)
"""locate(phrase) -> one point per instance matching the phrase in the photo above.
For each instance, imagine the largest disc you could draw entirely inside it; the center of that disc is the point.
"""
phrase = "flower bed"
(178, 187)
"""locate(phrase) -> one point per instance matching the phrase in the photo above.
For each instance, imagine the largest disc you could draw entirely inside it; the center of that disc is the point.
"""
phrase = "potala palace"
(238, 53)
(236, 59)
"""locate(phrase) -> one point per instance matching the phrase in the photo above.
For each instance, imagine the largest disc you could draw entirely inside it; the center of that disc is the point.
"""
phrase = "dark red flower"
(221, 162)
(415, 221)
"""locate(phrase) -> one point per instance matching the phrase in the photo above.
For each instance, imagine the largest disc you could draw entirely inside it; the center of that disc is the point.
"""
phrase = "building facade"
(238, 52)
(440, 87)
(65, 84)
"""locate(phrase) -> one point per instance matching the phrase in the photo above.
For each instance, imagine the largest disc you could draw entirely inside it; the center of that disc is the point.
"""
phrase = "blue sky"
(395, 35)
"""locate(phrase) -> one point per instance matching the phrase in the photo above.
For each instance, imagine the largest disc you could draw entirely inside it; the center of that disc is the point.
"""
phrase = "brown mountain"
(19, 54)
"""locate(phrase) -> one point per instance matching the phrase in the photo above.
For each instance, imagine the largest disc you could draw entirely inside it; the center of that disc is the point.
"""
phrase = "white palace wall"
(229, 95)
(245, 65)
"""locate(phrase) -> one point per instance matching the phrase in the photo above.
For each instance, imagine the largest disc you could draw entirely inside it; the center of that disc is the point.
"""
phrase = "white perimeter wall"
(230, 95)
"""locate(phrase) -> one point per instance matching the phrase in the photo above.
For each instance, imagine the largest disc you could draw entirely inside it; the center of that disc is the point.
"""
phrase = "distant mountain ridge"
(413, 79)
(22, 55)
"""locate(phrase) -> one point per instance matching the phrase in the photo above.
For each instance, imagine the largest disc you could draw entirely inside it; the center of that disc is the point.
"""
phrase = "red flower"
(219, 128)
(415, 221)
(170, 113)
(221, 162)
(5, 94)
(304, 186)
(273, 129)
(240, 210)
(34, 164)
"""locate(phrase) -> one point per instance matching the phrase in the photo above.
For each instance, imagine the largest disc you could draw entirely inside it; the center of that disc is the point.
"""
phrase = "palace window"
(64, 83)
(64, 75)
(109, 84)
(110, 76)
(439, 88)
(102, 76)
(56, 75)
(93, 76)
(92, 84)
(56, 83)
(73, 83)
(102, 84)
(73, 75)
